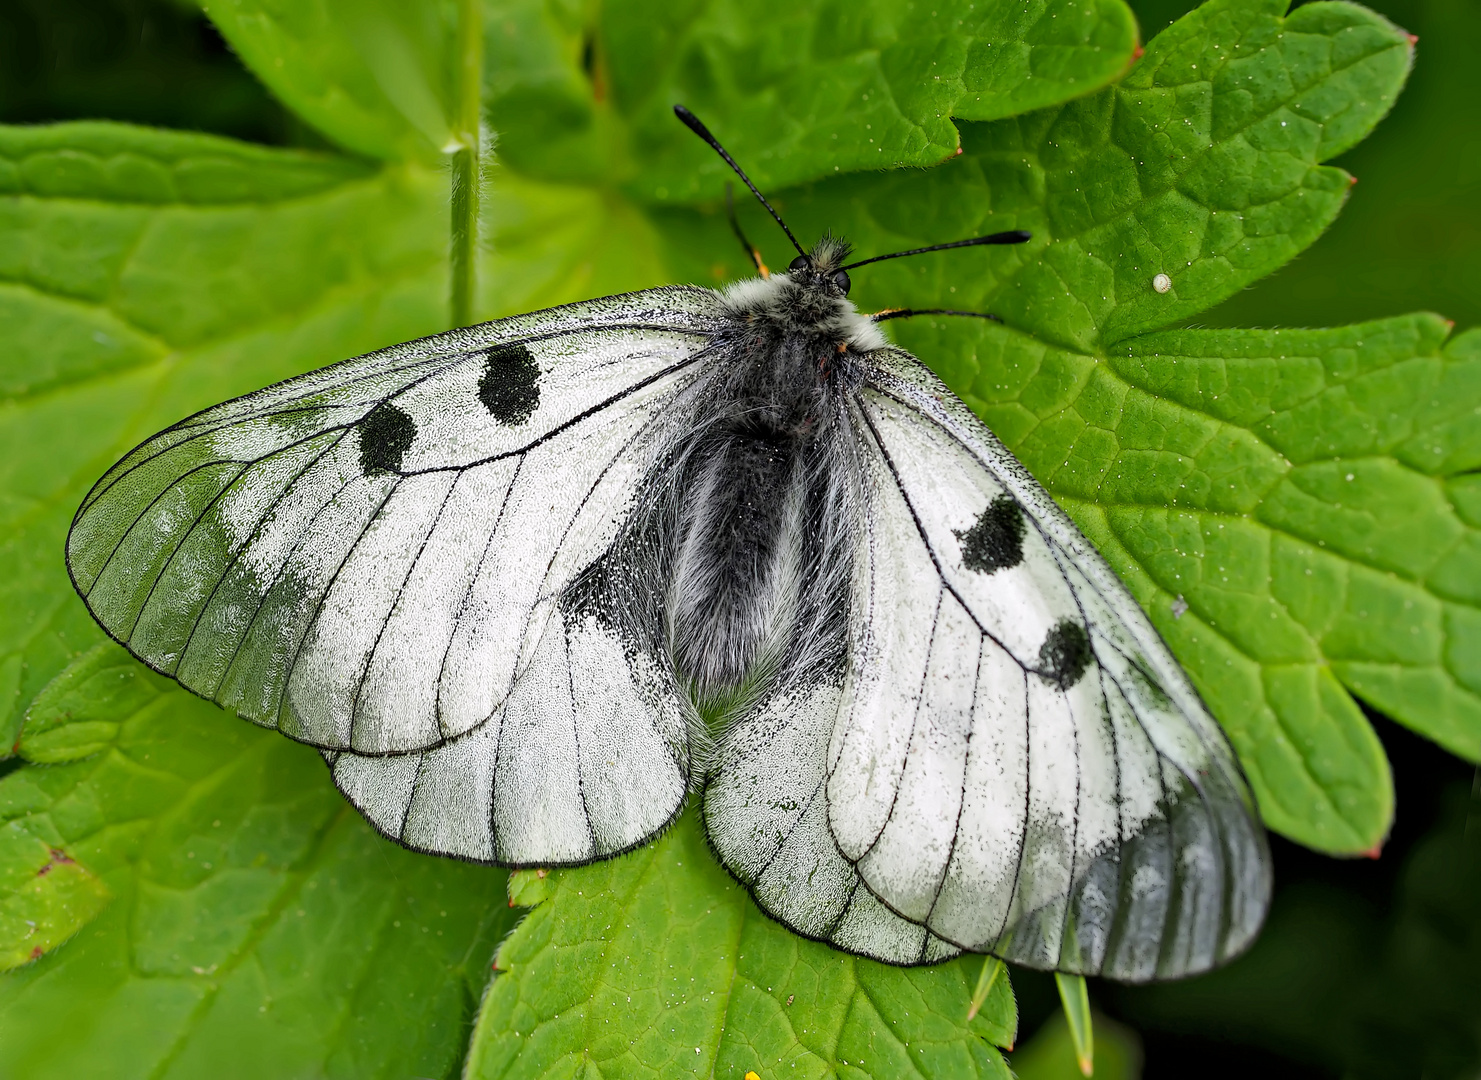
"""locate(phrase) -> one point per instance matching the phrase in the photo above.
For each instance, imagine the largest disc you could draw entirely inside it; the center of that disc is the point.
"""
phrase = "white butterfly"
(527, 584)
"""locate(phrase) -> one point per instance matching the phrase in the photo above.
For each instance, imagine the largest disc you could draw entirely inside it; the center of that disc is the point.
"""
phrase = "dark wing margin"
(373, 559)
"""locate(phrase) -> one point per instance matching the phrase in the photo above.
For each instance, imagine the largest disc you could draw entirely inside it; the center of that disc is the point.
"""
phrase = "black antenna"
(692, 122)
(752, 251)
(1013, 236)
(910, 313)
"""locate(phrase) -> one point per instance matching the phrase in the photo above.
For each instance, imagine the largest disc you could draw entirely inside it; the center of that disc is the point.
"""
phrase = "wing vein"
(1069, 896)
(1028, 794)
(124, 536)
(214, 502)
(962, 804)
(566, 425)
(914, 725)
(439, 364)
(920, 528)
(170, 559)
(591, 833)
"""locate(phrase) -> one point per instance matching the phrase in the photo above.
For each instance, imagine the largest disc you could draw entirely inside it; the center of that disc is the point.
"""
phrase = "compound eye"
(802, 262)
(841, 279)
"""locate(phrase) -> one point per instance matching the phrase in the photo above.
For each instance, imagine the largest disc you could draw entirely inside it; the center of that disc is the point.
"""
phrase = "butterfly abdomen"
(737, 553)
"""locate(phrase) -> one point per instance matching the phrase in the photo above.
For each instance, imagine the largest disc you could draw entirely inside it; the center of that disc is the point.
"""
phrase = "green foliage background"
(1310, 495)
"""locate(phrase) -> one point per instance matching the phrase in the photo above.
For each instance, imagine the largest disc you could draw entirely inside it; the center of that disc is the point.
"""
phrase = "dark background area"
(1367, 968)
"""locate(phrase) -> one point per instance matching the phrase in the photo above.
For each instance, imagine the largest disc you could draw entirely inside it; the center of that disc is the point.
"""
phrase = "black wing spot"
(510, 386)
(1065, 654)
(386, 434)
(995, 541)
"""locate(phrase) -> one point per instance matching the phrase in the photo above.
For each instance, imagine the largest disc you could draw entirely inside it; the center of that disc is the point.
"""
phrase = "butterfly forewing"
(1021, 766)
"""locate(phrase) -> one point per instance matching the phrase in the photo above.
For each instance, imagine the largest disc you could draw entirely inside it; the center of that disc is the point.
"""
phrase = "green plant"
(1296, 509)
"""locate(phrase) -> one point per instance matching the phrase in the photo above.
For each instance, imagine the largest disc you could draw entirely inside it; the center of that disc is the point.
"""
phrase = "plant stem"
(465, 160)
(992, 969)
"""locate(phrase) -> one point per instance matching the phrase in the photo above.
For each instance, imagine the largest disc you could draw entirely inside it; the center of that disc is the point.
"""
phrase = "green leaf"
(376, 76)
(1407, 240)
(1203, 164)
(1076, 1001)
(807, 90)
(46, 896)
(660, 964)
(992, 971)
(79, 712)
(257, 921)
(804, 91)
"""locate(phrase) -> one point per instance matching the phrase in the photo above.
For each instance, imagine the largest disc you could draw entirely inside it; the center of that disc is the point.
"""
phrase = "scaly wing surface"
(1022, 766)
(377, 559)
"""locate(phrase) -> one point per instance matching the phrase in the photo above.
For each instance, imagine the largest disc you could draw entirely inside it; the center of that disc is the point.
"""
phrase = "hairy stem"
(465, 161)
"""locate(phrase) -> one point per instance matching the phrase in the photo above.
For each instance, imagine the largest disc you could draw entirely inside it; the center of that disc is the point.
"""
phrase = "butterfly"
(530, 584)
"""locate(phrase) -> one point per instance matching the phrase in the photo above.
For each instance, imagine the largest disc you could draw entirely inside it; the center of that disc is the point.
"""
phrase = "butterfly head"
(810, 300)
(822, 267)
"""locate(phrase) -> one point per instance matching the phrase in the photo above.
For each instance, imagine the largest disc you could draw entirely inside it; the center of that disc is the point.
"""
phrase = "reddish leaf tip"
(37, 952)
(1373, 852)
(1413, 39)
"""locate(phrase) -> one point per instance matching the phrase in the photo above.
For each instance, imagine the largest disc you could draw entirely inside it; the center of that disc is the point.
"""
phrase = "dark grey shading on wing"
(374, 559)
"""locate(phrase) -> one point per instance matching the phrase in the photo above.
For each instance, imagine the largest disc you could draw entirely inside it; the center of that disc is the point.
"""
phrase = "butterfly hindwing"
(375, 559)
(766, 813)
